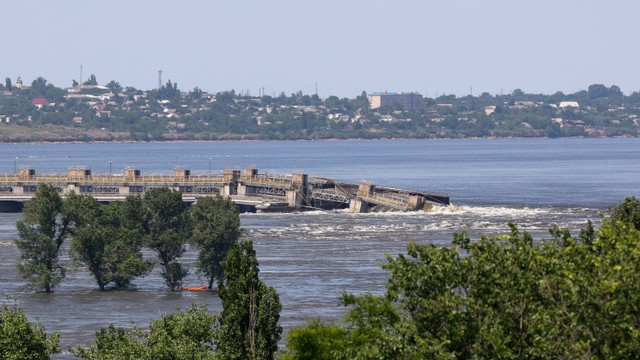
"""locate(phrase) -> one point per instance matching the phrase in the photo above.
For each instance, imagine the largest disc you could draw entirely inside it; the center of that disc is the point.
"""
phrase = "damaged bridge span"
(251, 190)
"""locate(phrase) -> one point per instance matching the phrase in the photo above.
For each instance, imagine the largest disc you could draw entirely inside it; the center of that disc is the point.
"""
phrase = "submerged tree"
(249, 326)
(216, 227)
(21, 339)
(102, 241)
(165, 229)
(41, 233)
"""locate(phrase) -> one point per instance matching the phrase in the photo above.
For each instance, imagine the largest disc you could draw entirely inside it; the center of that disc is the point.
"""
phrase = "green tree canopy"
(91, 80)
(181, 336)
(168, 91)
(196, 93)
(506, 297)
(166, 230)
(104, 241)
(40, 235)
(23, 340)
(40, 88)
(249, 326)
(114, 86)
(216, 227)
(316, 341)
(627, 212)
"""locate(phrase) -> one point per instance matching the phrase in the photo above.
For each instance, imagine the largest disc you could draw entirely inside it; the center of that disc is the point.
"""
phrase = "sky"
(340, 47)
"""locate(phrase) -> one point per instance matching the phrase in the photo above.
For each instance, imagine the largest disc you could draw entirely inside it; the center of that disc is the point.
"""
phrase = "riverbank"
(68, 135)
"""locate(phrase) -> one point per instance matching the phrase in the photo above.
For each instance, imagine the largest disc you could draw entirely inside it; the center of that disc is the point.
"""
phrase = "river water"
(312, 257)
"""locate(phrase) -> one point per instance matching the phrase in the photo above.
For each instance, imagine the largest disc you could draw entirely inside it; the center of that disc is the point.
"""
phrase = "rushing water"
(312, 257)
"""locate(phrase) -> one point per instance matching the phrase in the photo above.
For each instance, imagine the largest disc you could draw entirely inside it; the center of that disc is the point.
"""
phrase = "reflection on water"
(310, 258)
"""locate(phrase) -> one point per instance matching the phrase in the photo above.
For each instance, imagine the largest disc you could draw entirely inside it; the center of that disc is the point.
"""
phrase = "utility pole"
(159, 79)
(81, 74)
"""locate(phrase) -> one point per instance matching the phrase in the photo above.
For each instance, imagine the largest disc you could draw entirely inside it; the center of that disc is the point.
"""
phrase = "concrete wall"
(358, 206)
(294, 199)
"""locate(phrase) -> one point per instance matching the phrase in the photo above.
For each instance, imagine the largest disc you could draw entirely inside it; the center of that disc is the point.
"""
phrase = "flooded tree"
(215, 228)
(165, 228)
(102, 241)
(40, 235)
(247, 328)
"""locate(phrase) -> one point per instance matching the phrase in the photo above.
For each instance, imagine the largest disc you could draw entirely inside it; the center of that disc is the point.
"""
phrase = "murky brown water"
(310, 258)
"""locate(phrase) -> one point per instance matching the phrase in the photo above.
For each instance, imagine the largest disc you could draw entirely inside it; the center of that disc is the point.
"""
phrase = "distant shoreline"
(43, 142)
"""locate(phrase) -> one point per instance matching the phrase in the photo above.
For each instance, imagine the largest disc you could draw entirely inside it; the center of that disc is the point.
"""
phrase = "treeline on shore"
(507, 296)
(91, 112)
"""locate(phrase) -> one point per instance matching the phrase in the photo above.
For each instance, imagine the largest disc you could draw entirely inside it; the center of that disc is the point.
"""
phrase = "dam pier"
(251, 190)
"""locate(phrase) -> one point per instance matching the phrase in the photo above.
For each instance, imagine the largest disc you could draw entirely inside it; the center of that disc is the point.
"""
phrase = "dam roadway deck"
(251, 190)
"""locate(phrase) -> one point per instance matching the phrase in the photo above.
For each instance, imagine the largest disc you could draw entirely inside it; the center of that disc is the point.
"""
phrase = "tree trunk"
(170, 283)
(252, 324)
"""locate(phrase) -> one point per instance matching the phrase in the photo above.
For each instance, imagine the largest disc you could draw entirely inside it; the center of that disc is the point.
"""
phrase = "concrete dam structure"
(251, 190)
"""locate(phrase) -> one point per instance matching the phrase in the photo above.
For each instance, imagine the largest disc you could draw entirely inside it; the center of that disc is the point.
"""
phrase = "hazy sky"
(345, 46)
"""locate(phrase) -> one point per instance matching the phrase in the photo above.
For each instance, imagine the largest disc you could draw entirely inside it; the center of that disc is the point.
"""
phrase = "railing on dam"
(334, 194)
(386, 200)
(112, 179)
(268, 180)
(296, 190)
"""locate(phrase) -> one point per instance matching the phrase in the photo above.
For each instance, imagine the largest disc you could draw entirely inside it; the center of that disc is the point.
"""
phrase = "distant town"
(39, 111)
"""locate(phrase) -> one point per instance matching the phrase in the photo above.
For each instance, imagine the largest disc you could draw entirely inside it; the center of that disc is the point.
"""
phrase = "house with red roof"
(40, 102)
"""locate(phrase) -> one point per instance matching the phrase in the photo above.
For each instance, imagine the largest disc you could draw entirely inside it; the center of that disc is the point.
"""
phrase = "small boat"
(194, 288)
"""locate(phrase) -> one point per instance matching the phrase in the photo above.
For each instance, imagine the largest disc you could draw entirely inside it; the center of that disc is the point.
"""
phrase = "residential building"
(569, 104)
(39, 102)
(408, 101)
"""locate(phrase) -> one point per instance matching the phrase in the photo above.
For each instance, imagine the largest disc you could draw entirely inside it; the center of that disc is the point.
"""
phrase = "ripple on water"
(310, 258)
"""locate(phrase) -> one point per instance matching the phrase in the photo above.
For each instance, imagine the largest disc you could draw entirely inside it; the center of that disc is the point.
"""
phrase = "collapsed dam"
(251, 190)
